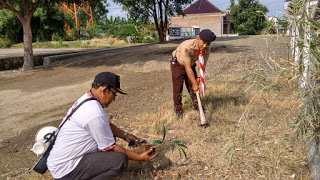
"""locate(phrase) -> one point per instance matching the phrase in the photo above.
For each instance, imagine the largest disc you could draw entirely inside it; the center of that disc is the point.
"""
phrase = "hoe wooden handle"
(203, 120)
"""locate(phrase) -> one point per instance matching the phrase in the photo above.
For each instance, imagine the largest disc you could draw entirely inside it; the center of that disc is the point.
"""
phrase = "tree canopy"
(159, 10)
(24, 11)
(10, 28)
(247, 18)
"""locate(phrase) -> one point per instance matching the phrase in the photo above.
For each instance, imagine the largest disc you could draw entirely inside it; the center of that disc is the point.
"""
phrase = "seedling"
(173, 144)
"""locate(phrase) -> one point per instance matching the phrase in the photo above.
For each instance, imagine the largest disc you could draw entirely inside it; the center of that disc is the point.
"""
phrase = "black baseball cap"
(207, 35)
(110, 79)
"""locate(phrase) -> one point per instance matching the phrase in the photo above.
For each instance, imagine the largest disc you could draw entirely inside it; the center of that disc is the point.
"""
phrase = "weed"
(228, 152)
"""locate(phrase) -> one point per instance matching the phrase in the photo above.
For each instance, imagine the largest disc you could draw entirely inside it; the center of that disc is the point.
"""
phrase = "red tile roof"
(201, 6)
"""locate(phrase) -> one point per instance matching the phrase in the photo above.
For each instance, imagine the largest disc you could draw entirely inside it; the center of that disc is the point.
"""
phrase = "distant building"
(277, 25)
(201, 15)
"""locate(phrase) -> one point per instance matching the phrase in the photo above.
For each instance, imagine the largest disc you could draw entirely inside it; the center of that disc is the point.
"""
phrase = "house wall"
(210, 21)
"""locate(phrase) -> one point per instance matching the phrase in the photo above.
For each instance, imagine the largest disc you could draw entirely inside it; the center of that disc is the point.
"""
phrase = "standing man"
(85, 147)
(183, 65)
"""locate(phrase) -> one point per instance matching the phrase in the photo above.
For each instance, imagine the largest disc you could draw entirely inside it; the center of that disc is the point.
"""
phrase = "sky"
(273, 5)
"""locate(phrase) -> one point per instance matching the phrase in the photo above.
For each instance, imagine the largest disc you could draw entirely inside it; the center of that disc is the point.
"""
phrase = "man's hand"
(195, 87)
(145, 155)
(128, 137)
(198, 80)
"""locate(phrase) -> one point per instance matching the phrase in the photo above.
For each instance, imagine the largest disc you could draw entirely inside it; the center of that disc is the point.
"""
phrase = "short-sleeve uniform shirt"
(187, 52)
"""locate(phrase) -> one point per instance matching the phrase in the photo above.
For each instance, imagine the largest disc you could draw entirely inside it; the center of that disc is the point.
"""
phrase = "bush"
(56, 37)
(5, 43)
(245, 30)
(129, 30)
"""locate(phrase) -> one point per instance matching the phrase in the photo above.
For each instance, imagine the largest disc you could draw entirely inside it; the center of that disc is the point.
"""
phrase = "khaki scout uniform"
(185, 52)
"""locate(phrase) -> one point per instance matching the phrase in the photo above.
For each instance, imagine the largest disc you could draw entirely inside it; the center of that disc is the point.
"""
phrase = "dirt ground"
(30, 100)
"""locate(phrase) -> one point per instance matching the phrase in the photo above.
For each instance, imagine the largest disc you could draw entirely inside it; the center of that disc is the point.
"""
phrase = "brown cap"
(207, 35)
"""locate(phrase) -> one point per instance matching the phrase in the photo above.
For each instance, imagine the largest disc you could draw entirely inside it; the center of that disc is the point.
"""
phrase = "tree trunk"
(166, 19)
(161, 36)
(27, 41)
(161, 27)
(156, 23)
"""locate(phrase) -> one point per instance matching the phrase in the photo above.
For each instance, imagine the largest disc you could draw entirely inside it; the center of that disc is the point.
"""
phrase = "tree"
(247, 18)
(48, 24)
(24, 10)
(10, 29)
(158, 9)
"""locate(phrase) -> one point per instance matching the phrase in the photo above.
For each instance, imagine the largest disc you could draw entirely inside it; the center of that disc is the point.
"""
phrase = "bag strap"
(88, 99)
(52, 136)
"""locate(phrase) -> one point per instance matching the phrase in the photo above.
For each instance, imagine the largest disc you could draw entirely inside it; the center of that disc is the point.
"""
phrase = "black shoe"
(179, 115)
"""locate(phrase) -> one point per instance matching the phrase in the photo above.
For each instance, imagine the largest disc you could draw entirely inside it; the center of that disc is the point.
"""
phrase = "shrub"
(5, 43)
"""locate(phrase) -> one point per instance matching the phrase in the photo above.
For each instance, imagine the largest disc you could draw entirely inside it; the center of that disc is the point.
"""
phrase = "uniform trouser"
(179, 75)
(99, 165)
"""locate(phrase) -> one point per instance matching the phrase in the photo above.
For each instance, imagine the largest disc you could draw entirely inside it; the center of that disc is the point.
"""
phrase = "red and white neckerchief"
(201, 69)
(89, 93)
(75, 104)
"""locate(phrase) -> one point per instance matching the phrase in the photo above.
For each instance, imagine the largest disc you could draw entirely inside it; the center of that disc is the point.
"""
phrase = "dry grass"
(260, 117)
(91, 43)
(107, 41)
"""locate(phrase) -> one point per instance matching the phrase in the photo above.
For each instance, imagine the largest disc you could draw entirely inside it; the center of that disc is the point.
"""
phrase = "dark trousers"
(179, 75)
(99, 165)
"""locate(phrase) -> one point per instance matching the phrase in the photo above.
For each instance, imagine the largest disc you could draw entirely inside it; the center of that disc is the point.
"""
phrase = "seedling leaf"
(164, 133)
(182, 145)
(155, 142)
(172, 146)
(185, 154)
